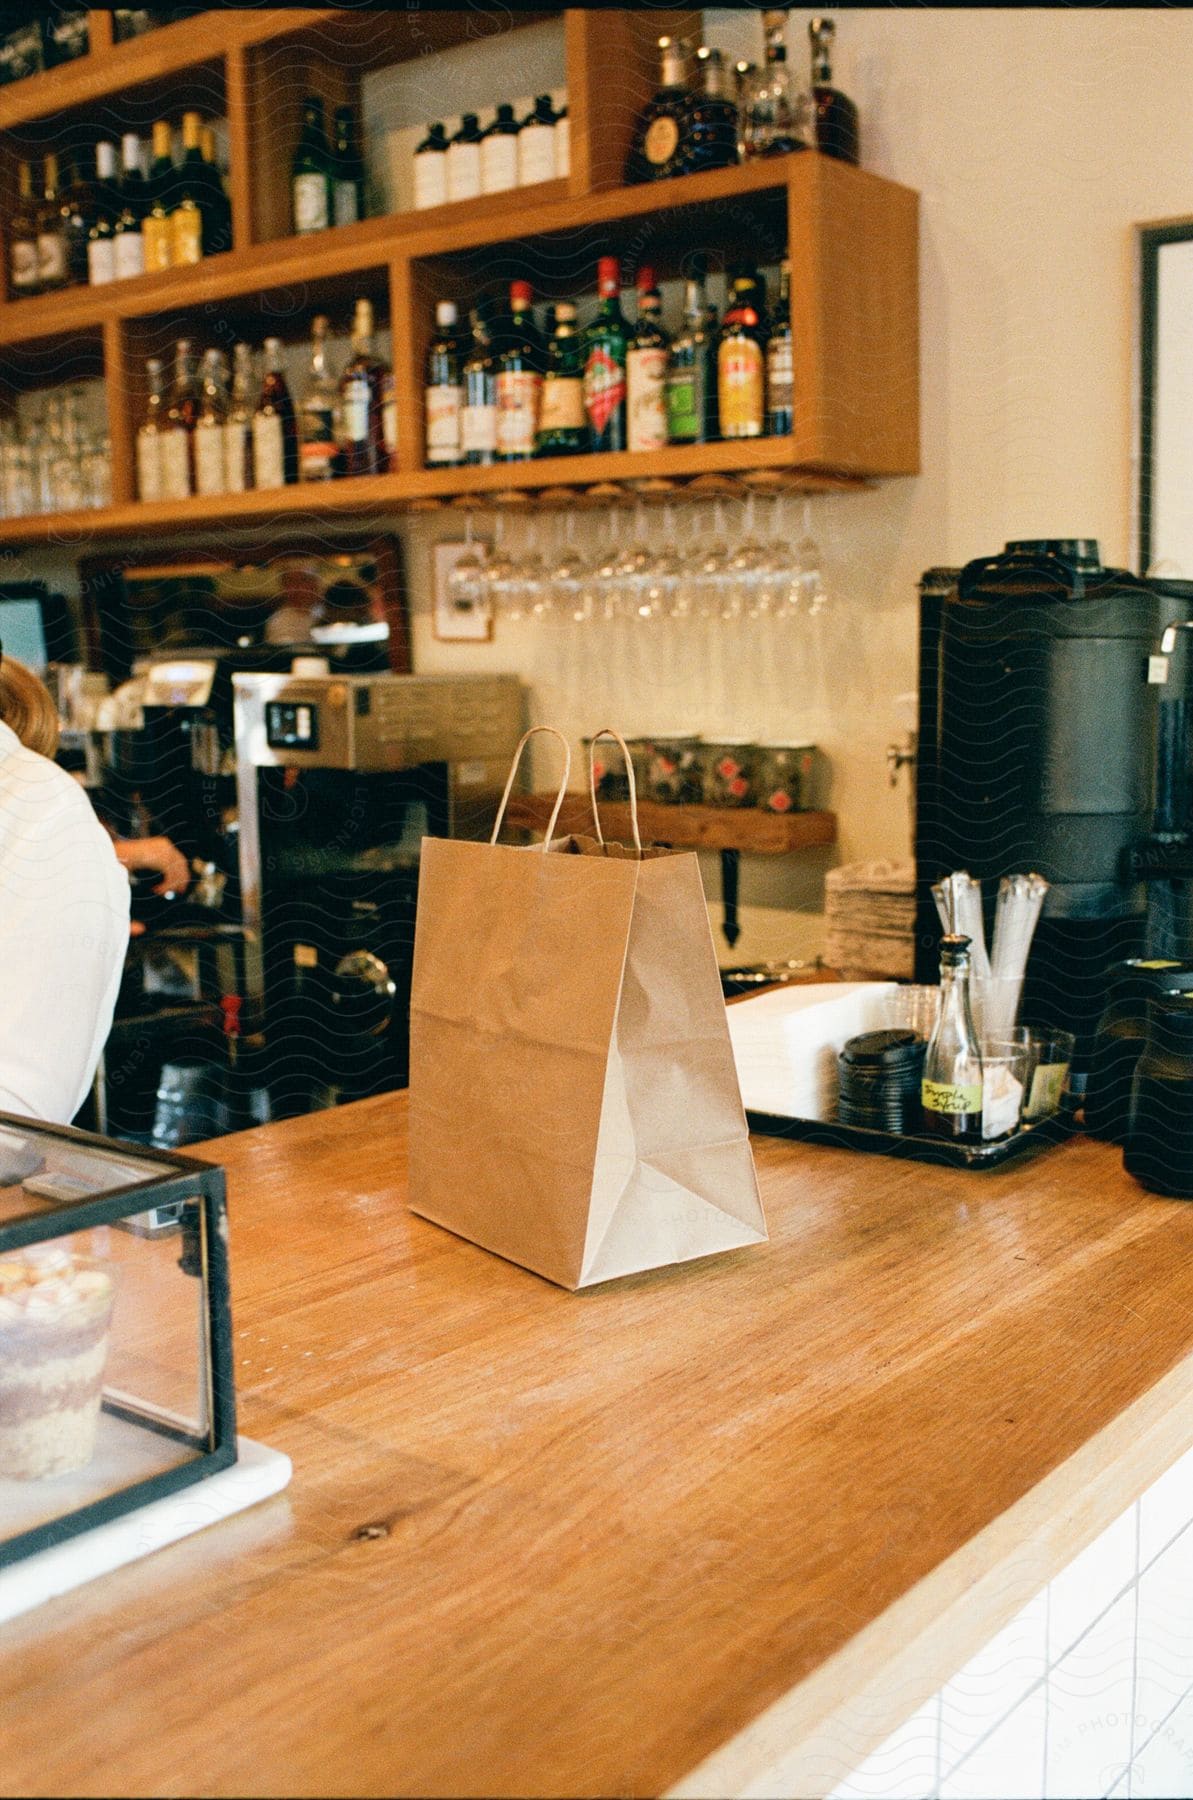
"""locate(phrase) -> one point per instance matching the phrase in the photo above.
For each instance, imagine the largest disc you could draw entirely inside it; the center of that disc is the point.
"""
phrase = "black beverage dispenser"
(1037, 751)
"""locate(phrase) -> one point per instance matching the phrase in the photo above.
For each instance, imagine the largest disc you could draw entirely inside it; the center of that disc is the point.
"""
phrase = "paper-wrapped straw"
(959, 902)
(1020, 898)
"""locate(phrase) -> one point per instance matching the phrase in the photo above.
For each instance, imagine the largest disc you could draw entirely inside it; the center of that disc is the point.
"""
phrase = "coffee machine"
(339, 778)
(1038, 732)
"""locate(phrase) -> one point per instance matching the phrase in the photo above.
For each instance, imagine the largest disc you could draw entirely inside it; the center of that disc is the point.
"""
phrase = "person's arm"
(156, 853)
(63, 935)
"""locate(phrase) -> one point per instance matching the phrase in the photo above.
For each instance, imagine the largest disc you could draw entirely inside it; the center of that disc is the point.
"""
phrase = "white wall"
(1037, 140)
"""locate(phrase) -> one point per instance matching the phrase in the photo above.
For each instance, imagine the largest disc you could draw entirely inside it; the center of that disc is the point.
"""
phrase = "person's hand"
(156, 853)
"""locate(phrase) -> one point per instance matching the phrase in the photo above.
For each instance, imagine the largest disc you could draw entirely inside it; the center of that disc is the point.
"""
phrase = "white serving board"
(257, 1474)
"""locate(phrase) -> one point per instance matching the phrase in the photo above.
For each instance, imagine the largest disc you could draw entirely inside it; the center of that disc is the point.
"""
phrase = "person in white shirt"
(64, 915)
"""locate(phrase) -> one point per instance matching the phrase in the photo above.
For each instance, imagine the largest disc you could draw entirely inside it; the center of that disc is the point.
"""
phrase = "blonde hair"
(27, 708)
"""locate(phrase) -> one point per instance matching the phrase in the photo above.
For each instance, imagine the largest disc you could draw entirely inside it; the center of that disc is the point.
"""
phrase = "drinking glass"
(743, 598)
(633, 570)
(566, 584)
(527, 597)
(811, 580)
(467, 581)
(501, 573)
(780, 576)
(708, 580)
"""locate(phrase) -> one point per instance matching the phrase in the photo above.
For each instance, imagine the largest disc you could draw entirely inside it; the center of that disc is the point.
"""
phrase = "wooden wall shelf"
(850, 235)
(683, 827)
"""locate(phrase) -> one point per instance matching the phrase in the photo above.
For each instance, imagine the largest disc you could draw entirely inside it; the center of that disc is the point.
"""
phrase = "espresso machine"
(1039, 722)
(339, 778)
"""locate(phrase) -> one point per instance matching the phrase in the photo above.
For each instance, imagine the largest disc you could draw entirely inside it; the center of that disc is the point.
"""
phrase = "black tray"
(1052, 1130)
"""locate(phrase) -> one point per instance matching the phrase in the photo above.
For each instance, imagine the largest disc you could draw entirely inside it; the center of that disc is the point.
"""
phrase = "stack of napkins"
(870, 918)
(786, 1043)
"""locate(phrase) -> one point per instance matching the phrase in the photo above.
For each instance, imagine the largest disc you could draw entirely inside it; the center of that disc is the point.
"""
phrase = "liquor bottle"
(51, 232)
(741, 361)
(520, 363)
(23, 277)
(780, 374)
(178, 429)
(275, 429)
(317, 455)
(690, 372)
(712, 115)
(778, 116)
(605, 343)
(78, 212)
(238, 426)
(430, 168)
(186, 217)
(745, 74)
(659, 148)
(563, 142)
(836, 115)
(478, 413)
(444, 391)
(213, 199)
(499, 152)
(536, 143)
(149, 434)
(348, 171)
(101, 239)
(209, 424)
(310, 172)
(563, 427)
(127, 238)
(952, 1085)
(366, 403)
(156, 229)
(646, 371)
(464, 160)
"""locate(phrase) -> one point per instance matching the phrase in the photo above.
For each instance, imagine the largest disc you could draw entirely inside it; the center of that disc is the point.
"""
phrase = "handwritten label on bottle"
(952, 1097)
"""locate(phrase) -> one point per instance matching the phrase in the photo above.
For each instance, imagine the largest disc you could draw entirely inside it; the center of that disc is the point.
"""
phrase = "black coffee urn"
(1037, 750)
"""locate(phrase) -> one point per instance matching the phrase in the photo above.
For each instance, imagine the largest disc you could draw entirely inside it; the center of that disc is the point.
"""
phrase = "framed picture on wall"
(462, 610)
(1166, 399)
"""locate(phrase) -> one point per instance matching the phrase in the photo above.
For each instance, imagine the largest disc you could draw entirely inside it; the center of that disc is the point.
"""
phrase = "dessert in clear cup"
(55, 1316)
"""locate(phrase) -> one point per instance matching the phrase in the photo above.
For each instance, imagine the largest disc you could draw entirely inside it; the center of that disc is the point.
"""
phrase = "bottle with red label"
(741, 361)
(519, 379)
(605, 347)
(646, 371)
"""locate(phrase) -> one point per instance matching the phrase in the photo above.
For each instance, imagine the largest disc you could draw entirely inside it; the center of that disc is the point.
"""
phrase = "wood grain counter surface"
(715, 1529)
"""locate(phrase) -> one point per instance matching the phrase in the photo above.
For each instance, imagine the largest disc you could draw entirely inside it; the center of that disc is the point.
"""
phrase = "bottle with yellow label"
(186, 216)
(741, 360)
(951, 1095)
(156, 228)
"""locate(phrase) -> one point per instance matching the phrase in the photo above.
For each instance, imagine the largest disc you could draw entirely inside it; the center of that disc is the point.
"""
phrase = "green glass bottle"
(605, 343)
(311, 171)
(689, 371)
(563, 428)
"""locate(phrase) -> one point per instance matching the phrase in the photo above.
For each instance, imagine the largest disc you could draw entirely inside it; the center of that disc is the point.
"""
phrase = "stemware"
(708, 579)
(501, 574)
(467, 581)
(565, 591)
(527, 598)
(811, 581)
(633, 568)
(743, 573)
(781, 573)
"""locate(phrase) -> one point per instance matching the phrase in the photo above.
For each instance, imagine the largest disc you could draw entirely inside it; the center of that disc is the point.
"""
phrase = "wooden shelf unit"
(851, 237)
(683, 827)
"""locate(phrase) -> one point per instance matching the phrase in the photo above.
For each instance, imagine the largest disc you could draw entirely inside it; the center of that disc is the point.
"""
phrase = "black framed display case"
(116, 1373)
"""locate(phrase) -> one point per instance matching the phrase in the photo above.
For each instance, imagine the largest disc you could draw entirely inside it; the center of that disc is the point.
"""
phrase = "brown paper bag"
(573, 1096)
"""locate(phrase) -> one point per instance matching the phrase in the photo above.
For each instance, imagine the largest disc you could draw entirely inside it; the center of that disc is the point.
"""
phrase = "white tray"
(257, 1474)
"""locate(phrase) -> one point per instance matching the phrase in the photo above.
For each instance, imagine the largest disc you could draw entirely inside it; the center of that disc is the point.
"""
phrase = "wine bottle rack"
(851, 237)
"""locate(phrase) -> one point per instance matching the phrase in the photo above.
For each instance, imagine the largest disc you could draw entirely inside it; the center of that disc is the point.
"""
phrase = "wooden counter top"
(641, 1538)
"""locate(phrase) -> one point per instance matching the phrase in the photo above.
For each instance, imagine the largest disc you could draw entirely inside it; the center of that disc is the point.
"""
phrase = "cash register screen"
(23, 633)
(291, 725)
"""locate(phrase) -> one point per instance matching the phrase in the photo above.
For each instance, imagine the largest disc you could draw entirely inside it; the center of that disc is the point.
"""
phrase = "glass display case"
(116, 1383)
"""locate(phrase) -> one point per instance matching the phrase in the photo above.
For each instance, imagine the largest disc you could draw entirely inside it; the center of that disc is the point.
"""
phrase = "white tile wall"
(1164, 1659)
(1162, 1767)
(1089, 1698)
(993, 1682)
(1008, 1763)
(1165, 1509)
(905, 1766)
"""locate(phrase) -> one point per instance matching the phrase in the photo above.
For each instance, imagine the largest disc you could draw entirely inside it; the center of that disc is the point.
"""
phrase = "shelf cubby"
(851, 237)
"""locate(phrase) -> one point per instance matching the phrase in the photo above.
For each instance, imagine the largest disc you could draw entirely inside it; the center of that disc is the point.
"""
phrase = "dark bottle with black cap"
(1120, 1037)
(1159, 1150)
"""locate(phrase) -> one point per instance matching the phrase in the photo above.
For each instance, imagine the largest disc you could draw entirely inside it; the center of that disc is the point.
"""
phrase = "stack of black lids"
(880, 1074)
